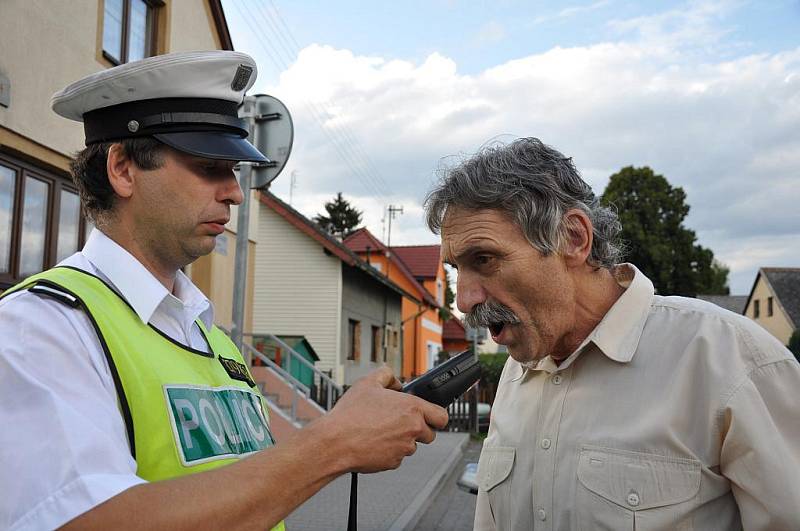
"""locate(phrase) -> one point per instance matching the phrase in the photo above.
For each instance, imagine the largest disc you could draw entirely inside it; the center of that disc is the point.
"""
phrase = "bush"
(794, 344)
(492, 365)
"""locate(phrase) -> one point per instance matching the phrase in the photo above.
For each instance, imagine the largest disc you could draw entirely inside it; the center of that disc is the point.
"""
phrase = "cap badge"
(241, 77)
(133, 126)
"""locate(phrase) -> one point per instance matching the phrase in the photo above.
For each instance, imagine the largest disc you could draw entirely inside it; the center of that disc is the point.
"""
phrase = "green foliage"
(652, 213)
(342, 217)
(794, 344)
(492, 366)
(446, 312)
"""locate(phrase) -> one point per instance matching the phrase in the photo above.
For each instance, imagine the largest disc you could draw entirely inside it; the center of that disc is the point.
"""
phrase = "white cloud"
(491, 32)
(568, 12)
(726, 131)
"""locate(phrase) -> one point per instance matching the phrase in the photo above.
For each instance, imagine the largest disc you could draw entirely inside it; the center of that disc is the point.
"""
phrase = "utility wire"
(356, 160)
(292, 50)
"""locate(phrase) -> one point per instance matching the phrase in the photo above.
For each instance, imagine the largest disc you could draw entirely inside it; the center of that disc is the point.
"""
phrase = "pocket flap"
(636, 480)
(494, 466)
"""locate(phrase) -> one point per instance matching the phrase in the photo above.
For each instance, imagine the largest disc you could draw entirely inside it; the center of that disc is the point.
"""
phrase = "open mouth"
(496, 328)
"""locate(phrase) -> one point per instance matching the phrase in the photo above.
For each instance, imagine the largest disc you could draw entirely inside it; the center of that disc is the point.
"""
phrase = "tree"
(446, 311)
(794, 344)
(652, 212)
(342, 218)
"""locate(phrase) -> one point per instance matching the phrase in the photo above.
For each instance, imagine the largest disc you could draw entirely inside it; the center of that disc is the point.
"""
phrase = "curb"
(416, 509)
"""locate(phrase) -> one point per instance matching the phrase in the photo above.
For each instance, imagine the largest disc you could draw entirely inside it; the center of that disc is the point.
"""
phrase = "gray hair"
(535, 185)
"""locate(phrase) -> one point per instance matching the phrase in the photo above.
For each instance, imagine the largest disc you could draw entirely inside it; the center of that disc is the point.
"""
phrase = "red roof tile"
(358, 241)
(453, 329)
(422, 260)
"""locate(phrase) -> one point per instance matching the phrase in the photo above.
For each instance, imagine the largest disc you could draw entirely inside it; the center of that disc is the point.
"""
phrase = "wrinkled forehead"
(465, 228)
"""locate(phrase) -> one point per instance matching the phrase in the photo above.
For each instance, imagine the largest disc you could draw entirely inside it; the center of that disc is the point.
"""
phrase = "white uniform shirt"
(63, 443)
(674, 414)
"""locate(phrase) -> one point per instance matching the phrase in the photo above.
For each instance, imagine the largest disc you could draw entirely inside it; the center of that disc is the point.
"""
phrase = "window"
(40, 220)
(769, 306)
(376, 343)
(129, 29)
(756, 309)
(353, 340)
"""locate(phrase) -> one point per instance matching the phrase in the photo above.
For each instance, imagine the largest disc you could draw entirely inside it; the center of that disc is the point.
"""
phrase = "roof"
(361, 239)
(454, 329)
(785, 284)
(734, 303)
(335, 247)
(422, 260)
(221, 24)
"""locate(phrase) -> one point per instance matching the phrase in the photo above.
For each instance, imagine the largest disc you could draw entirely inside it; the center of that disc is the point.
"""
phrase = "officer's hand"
(380, 426)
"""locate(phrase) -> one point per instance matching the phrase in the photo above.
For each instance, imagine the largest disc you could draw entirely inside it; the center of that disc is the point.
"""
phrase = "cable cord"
(352, 517)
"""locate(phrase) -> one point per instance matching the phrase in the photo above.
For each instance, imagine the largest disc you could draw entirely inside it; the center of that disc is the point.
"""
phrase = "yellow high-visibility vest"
(185, 410)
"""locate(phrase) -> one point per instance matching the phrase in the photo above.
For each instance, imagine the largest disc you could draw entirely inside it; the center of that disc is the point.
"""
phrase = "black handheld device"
(440, 385)
(446, 382)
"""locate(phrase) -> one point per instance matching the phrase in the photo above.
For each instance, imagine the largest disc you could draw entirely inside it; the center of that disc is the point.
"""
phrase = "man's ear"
(121, 171)
(578, 237)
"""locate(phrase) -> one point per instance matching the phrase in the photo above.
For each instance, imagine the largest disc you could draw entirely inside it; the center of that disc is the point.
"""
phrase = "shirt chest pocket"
(494, 477)
(619, 489)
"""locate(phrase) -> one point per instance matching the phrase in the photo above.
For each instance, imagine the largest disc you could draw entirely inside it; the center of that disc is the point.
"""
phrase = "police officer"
(121, 404)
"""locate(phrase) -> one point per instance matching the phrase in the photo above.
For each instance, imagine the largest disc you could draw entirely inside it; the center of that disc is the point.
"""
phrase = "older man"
(618, 408)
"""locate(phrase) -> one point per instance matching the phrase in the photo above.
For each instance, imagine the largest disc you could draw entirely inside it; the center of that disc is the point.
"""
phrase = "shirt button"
(633, 499)
(557, 379)
(542, 514)
(546, 443)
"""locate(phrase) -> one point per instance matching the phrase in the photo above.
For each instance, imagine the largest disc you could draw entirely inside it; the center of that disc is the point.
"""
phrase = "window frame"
(354, 340)
(56, 183)
(376, 347)
(756, 309)
(770, 310)
(151, 31)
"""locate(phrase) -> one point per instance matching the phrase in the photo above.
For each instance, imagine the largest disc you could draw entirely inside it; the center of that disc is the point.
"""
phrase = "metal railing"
(324, 391)
(464, 412)
(298, 387)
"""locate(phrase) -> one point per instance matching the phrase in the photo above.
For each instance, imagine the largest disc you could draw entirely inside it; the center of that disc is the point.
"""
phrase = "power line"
(292, 50)
(344, 143)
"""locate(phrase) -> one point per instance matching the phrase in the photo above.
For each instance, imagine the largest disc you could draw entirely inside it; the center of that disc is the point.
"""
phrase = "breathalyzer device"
(440, 385)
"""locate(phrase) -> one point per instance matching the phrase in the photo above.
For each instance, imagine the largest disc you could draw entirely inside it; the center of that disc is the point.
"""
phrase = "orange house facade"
(423, 278)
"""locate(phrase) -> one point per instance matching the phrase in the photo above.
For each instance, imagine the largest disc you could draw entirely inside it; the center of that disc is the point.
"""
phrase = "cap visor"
(213, 145)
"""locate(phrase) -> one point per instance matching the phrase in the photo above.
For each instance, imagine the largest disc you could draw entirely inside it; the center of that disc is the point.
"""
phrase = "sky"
(385, 96)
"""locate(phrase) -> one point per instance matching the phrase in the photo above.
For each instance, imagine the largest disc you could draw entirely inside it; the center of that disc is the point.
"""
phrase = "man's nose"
(230, 192)
(469, 292)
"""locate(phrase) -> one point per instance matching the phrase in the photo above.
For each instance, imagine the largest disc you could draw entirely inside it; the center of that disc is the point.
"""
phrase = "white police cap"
(187, 100)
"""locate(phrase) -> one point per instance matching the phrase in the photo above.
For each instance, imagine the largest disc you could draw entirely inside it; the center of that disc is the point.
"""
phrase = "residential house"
(454, 336)
(733, 303)
(309, 283)
(45, 46)
(425, 263)
(422, 327)
(774, 301)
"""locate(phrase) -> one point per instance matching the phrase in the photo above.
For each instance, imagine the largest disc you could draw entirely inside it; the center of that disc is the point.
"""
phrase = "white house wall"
(297, 287)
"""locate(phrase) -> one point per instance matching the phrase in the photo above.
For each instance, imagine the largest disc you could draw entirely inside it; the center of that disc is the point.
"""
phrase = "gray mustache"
(488, 313)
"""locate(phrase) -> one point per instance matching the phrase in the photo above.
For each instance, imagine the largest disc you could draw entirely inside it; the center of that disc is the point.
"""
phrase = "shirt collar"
(137, 285)
(617, 334)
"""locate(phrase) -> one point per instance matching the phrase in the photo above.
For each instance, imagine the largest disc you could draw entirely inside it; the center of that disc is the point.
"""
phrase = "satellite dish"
(273, 136)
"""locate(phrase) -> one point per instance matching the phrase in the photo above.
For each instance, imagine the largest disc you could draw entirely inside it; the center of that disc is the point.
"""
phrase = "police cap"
(187, 100)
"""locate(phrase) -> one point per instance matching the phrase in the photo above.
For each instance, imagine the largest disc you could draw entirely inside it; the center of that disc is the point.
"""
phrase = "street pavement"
(393, 500)
(453, 509)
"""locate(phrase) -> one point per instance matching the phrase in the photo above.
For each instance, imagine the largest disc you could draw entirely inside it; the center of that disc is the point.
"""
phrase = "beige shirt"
(674, 414)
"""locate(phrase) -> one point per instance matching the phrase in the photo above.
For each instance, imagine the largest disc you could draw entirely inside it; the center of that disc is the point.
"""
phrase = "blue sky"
(384, 95)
